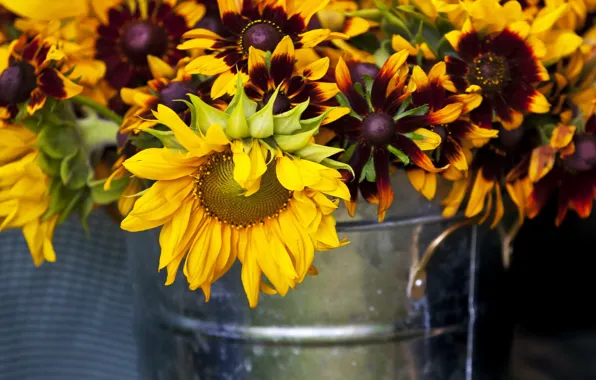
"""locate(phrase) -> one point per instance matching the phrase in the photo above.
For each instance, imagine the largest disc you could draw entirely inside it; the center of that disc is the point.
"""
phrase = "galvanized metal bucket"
(364, 316)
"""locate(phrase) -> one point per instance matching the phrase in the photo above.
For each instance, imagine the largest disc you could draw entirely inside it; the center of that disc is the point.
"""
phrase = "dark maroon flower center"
(172, 93)
(442, 131)
(584, 157)
(281, 104)
(359, 70)
(261, 35)
(142, 38)
(17, 82)
(378, 129)
(489, 71)
(510, 140)
(211, 21)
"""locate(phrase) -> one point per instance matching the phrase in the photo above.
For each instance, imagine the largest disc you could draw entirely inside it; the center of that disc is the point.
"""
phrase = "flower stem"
(103, 111)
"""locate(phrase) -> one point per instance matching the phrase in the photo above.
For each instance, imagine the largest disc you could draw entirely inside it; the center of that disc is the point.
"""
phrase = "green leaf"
(206, 115)
(74, 170)
(368, 171)
(333, 164)
(381, 55)
(167, 138)
(399, 154)
(289, 122)
(358, 88)
(261, 123)
(104, 197)
(316, 152)
(349, 151)
(418, 111)
(369, 14)
(49, 165)
(368, 81)
(240, 99)
(57, 141)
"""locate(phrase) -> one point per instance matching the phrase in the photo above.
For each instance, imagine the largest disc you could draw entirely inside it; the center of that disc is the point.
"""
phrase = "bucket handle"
(418, 276)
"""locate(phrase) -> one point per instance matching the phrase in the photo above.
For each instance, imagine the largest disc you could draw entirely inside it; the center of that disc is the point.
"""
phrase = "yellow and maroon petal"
(384, 189)
(55, 84)
(384, 76)
(36, 101)
(418, 157)
(282, 61)
(480, 190)
(346, 86)
(257, 70)
(454, 154)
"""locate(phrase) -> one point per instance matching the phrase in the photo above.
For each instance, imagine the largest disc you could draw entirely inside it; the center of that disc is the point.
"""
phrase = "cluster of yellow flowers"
(238, 126)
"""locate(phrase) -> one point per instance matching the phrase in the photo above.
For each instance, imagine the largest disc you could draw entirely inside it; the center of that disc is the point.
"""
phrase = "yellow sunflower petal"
(162, 164)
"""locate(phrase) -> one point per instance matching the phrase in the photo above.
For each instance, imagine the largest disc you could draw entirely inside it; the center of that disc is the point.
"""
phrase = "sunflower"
(240, 184)
(502, 161)
(456, 136)
(128, 35)
(504, 68)
(294, 87)
(261, 26)
(382, 125)
(23, 192)
(32, 74)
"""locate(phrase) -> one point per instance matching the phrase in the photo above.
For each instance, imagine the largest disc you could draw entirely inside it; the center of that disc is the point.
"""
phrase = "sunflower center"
(172, 93)
(378, 128)
(263, 35)
(17, 82)
(142, 38)
(224, 199)
(489, 72)
(359, 70)
(584, 157)
(281, 104)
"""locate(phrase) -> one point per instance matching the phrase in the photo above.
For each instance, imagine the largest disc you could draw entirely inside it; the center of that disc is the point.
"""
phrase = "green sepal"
(85, 210)
(418, 111)
(75, 170)
(49, 165)
(314, 122)
(70, 206)
(57, 141)
(414, 136)
(382, 54)
(60, 197)
(343, 101)
(167, 138)
(369, 14)
(240, 99)
(193, 115)
(368, 171)
(399, 154)
(104, 197)
(289, 122)
(145, 141)
(333, 164)
(316, 152)
(237, 127)
(206, 115)
(95, 132)
(261, 123)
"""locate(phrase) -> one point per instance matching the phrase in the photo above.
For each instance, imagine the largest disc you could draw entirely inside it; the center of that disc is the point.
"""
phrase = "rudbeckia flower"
(23, 192)
(295, 87)
(504, 68)
(567, 165)
(168, 87)
(239, 184)
(497, 163)
(456, 136)
(382, 125)
(128, 35)
(32, 73)
(261, 25)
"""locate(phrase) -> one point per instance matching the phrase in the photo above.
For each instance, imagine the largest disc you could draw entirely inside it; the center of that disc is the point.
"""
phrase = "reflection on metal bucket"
(353, 321)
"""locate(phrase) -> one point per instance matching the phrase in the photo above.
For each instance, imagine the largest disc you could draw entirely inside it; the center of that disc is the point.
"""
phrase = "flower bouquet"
(240, 127)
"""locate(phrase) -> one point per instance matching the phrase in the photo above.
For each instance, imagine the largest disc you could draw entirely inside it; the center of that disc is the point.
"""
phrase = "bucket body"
(355, 320)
